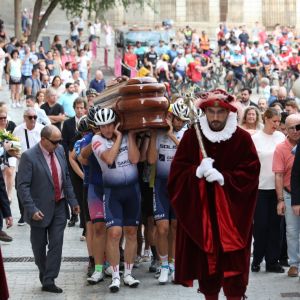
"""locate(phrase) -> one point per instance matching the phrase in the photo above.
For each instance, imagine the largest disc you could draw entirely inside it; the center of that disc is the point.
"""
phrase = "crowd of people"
(120, 178)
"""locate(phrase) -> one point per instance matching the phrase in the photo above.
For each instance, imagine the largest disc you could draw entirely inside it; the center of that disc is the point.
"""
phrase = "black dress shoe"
(284, 263)
(41, 276)
(255, 268)
(52, 289)
(73, 221)
(276, 268)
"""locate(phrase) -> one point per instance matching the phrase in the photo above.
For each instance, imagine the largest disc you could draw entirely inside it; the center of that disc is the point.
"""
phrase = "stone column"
(214, 12)
(252, 12)
(298, 15)
(180, 11)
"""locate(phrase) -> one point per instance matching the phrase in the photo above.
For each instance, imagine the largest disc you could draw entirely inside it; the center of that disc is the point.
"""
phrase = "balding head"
(292, 120)
(282, 93)
(99, 75)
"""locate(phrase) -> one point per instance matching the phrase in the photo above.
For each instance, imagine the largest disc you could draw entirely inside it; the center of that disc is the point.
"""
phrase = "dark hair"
(29, 97)
(67, 63)
(52, 83)
(13, 52)
(246, 89)
(80, 100)
(46, 132)
(292, 103)
(276, 103)
(68, 84)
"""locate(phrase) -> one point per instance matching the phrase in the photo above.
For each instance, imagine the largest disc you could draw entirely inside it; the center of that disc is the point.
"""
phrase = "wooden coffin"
(142, 104)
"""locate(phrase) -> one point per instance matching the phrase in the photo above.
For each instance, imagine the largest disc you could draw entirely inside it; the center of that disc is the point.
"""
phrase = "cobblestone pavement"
(23, 276)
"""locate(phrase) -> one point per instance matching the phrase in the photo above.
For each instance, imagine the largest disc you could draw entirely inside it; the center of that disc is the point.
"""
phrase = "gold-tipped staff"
(189, 100)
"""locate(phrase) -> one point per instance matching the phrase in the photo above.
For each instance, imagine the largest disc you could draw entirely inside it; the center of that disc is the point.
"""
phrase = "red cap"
(217, 98)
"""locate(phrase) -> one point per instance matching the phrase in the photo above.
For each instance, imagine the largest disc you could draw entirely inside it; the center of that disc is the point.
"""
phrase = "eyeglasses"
(3, 118)
(54, 142)
(31, 117)
(292, 128)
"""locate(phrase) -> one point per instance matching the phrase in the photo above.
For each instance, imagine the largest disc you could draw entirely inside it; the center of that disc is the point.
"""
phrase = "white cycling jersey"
(166, 151)
(122, 171)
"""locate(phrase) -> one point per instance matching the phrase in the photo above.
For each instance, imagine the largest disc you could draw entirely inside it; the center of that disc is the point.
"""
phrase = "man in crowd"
(68, 134)
(245, 99)
(33, 83)
(98, 83)
(214, 230)
(67, 99)
(41, 114)
(283, 160)
(29, 135)
(45, 188)
(54, 110)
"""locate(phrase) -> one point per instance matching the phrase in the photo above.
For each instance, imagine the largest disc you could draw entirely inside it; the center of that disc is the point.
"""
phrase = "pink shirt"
(283, 160)
(58, 167)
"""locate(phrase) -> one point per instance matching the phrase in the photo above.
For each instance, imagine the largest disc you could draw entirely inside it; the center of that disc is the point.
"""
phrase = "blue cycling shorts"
(122, 205)
(162, 208)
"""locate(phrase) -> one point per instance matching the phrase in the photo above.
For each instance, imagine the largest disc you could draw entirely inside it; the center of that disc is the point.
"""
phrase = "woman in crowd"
(40, 97)
(8, 163)
(57, 43)
(83, 66)
(57, 63)
(14, 70)
(251, 120)
(266, 231)
(57, 85)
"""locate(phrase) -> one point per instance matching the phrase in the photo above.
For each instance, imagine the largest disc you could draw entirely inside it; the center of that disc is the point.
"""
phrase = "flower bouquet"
(6, 136)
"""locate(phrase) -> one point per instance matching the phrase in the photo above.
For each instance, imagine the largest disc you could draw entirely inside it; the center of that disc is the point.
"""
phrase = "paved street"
(23, 275)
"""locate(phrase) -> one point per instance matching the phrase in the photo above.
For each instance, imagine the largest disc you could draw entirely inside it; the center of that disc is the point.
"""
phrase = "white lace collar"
(223, 135)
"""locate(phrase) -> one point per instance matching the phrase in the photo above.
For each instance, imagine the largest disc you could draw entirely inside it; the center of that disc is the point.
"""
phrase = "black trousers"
(78, 190)
(266, 230)
(21, 208)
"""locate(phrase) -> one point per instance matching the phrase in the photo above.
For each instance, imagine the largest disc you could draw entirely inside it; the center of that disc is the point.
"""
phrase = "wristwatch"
(279, 199)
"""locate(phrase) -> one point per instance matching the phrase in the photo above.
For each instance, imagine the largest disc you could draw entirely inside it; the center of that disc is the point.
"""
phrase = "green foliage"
(75, 7)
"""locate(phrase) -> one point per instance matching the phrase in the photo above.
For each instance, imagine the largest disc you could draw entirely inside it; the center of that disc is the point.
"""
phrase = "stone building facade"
(208, 13)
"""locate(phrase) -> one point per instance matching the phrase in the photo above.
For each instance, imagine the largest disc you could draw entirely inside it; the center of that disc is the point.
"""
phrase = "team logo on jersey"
(161, 157)
(96, 145)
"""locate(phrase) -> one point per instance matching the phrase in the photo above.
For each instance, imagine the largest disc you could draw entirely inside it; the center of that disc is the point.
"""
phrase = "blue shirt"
(66, 100)
(97, 85)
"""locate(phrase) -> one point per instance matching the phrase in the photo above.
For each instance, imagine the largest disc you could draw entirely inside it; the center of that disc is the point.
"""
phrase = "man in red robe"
(214, 200)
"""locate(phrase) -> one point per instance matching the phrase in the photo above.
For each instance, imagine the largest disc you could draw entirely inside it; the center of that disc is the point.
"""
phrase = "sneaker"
(114, 287)
(164, 275)
(95, 278)
(108, 271)
(157, 273)
(90, 269)
(146, 258)
(19, 104)
(154, 265)
(21, 222)
(4, 237)
(14, 105)
(130, 281)
(137, 261)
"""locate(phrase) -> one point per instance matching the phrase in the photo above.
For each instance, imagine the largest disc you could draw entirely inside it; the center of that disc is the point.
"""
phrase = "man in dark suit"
(45, 190)
(68, 140)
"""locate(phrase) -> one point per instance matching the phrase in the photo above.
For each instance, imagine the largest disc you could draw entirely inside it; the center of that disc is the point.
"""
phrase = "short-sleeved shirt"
(283, 160)
(152, 57)
(54, 110)
(166, 151)
(122, 172)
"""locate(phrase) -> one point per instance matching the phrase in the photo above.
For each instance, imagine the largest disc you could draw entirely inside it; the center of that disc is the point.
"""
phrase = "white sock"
(164, 261)
(116, 273)
(128, 269)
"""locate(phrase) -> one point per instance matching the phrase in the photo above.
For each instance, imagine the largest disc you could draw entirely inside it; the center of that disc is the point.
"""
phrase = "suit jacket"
(295, 178)
(68, 133)
(4, 202)
(35, 185)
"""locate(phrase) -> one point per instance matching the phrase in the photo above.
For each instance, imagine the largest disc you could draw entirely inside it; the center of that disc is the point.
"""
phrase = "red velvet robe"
(214, 228)
(3, 284)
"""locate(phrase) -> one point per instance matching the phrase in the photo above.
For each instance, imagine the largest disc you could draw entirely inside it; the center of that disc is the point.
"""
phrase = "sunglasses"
(3, 118)
(54, 142)
(31, 117)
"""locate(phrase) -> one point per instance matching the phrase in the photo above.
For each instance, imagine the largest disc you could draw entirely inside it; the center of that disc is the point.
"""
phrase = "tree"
(72, 8)
(18, 17)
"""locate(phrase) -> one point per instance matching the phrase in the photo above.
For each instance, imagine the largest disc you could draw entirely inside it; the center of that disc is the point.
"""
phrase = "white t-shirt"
(265, 145)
